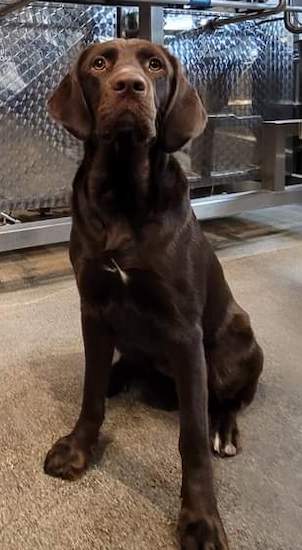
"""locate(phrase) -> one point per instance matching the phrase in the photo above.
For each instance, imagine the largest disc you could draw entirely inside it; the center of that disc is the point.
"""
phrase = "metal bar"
(295, 178)
(151, 23)
(58, 230)
(193, 4)
(273, 165)
(290, 26)
(217, 22)
(157, 24)
(29, 234)
(297, 9)
(8, 218)
(273, 160)
(290, 20)
(244, 5)
(291, 127)
(229, 205)
(119, 22)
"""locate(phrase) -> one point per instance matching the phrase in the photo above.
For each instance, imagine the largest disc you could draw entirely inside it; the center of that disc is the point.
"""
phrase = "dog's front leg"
(70, 455)
(200, 525)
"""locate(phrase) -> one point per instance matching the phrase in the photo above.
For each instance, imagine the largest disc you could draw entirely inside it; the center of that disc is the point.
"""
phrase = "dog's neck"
(131, 176)
(132, 186)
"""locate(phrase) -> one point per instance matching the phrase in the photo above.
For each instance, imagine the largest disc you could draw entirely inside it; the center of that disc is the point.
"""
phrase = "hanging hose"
(15, 6)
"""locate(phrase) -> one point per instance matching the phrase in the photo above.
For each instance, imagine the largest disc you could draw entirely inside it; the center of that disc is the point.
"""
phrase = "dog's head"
(130, 87)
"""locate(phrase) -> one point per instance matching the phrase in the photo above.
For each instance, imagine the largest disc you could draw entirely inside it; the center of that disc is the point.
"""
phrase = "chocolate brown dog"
(149, 282)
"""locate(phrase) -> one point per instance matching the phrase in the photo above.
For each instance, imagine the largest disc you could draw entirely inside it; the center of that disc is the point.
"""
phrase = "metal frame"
(29, 234)
(274, 136)
(290, 18)
(235, 203)
(58, 230)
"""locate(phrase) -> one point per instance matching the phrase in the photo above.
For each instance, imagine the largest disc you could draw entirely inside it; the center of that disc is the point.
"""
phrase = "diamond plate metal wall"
(245, 74)
(37, 44)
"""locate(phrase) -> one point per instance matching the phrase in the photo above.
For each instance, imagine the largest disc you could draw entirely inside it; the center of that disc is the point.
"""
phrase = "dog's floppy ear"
(67, 106)
(185, 116)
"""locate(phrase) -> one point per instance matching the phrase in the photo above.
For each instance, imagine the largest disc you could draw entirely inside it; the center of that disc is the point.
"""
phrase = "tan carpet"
(129, 500)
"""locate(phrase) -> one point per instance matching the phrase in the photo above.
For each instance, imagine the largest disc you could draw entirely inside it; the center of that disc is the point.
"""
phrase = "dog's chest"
(123, 287)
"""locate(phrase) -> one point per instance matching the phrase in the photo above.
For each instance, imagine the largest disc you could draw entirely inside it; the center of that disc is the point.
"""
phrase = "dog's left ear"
(67, 106)
(185, 116)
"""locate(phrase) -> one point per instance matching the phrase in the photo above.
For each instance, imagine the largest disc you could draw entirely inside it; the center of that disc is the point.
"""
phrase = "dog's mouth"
(127, 125)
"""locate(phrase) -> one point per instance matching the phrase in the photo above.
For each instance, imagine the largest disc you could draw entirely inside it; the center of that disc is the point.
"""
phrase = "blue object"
(200, 4)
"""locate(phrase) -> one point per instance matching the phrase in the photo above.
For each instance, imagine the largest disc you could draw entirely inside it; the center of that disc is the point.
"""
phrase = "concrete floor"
(129, 499)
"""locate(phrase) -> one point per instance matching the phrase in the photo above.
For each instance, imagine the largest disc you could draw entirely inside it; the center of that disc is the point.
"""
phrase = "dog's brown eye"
(155, 64)
(99, 63)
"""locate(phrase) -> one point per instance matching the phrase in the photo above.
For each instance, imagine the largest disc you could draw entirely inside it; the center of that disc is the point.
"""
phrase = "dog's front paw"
(201, 531)
(67, 459)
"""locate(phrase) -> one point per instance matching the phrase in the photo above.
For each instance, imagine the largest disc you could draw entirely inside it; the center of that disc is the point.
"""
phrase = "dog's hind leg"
(122, 374)
(235, 362)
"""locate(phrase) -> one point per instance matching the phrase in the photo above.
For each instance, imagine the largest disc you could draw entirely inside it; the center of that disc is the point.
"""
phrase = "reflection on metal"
(56, 231)
(26, 235)
(151, 23)
(217, 22)
(234, 203)
(183, 4)
(7, 218)
(37, 45)
(243, 71)
(245, 74)
(291, 19)
(274, 151)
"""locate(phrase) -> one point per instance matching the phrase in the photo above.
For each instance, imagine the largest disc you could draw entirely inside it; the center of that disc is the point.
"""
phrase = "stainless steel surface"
(26, 235)
(244, 70)
(234, 203)
(291, 21)
(45, 232)
(287, 127)
(249, 15)
(273, 164)
(151, 23)
(37, 45)
(232, 67)
(244, 5)
(273, 159)
(4, 218)
(193, 5)
(294, 9)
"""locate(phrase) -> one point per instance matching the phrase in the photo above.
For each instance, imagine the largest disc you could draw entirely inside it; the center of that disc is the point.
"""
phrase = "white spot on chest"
(116, 269)
(116, 356)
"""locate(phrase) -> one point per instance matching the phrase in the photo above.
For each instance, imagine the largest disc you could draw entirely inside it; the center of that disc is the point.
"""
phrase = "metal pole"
(151, 23)
(215, 23)
(193, 4)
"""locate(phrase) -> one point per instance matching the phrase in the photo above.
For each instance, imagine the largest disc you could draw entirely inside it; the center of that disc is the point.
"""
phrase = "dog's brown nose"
(126, 83)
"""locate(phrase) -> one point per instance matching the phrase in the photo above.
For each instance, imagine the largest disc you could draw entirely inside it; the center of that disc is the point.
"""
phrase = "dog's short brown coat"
(149, 282)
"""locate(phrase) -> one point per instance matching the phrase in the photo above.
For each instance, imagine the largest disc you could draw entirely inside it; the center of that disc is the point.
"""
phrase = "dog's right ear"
(67, 106)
